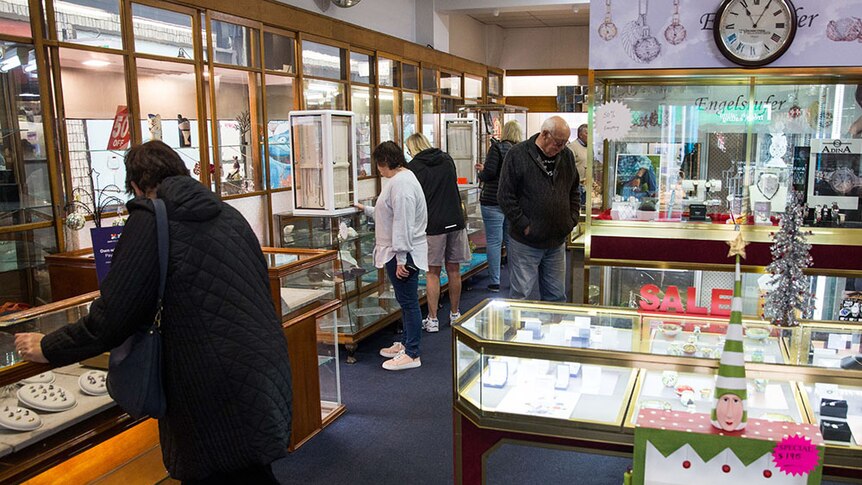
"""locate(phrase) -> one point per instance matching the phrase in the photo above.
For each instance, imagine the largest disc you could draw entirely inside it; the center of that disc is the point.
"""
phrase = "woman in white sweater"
(400, 246)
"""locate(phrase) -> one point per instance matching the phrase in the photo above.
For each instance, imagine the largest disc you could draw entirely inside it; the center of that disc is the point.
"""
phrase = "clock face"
(754, 32)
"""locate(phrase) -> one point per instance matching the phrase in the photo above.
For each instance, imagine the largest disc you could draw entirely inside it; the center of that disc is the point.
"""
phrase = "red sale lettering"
(671, 301)
(691, 303)
(721, 302)
(649, 297)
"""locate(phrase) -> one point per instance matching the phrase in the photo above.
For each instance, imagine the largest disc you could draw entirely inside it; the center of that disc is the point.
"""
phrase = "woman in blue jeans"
(400, 246)
(492, 216)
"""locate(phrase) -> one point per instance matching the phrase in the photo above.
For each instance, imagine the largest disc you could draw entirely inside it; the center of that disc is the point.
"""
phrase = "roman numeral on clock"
(777, 13)
(744, 3)
(740, 47)
(779, 25)
(776, 38)
(730, 26)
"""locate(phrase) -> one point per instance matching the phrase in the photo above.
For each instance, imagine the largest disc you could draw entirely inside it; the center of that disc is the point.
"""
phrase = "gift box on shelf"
(833, 408)
(835, 431)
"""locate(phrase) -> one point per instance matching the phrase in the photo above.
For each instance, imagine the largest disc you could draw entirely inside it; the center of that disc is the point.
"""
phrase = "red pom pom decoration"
(686, 464)
(725, 468)
(767, 473)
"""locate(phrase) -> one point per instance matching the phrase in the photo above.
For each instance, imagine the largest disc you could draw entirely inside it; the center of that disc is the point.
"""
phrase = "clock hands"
(761, 13)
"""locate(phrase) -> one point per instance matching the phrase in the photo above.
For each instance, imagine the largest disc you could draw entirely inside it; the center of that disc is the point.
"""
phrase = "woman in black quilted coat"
(226, 371)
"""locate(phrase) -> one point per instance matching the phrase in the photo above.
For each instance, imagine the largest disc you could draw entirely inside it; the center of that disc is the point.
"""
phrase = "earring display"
(46, 397)
(323, 162)
(19, 419)
(43, 378)
(607, 30)
(93, 383)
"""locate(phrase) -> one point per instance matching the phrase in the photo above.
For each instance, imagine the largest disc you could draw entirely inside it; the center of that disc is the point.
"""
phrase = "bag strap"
(162, 238)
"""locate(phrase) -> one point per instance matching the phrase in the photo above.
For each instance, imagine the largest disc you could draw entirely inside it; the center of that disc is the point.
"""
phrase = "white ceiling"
(550, 16)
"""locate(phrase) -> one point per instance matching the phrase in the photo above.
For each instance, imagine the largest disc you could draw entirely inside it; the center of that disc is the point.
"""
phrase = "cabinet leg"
(351, 353)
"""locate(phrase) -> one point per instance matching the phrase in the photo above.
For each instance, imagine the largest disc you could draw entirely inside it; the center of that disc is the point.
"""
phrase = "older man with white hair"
(539, 194)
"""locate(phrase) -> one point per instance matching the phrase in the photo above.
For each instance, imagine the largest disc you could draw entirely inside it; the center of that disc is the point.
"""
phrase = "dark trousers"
(258, 474)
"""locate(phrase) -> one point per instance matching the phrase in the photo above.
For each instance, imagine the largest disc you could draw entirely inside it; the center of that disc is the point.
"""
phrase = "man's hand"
(479, 167)
(29, 347)
(360, 207)
(401, 272)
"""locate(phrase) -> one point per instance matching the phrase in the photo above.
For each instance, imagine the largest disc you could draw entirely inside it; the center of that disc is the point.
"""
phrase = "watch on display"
(754, 33)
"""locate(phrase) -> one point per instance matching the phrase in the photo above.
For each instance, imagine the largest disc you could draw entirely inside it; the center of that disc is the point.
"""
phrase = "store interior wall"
(545, 48)
(393, 17)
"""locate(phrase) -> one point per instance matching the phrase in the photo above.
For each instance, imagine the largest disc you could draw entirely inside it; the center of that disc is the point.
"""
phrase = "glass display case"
(323, 159)
(473, 217)
(559, 371)
(303, 279)
(462, 145)
(491, 119)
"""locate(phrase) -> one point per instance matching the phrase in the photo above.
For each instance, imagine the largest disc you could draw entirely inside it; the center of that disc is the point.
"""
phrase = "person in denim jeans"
(492, 215)
(400, 218)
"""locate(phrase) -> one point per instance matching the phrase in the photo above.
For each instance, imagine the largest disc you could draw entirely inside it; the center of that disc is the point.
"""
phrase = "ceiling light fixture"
(496, 12)
(95, 63)
(345, 3)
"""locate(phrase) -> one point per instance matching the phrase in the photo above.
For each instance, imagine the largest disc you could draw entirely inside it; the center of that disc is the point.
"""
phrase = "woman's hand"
(401, 272)
(479, 167)
(29, 347)
(360, 207)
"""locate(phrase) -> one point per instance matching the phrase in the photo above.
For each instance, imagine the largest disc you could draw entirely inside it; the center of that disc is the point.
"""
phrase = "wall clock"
(754, 33)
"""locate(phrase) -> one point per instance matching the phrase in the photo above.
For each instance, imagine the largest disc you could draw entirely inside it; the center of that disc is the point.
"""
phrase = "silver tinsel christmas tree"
(790, 296)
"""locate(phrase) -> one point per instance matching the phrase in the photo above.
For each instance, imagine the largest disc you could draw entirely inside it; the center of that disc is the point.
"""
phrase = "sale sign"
(653, 299)
(120, 134)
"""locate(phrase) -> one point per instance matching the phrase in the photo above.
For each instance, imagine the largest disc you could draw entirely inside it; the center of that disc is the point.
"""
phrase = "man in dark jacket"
(540, 197)
(447, 233)
(226, 373)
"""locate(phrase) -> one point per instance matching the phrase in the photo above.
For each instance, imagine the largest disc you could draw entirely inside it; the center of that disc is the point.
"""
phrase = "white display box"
(461, 139)
(323, 162)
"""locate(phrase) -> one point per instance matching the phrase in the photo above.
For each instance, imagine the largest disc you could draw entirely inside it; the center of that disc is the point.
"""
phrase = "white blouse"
(400, 217)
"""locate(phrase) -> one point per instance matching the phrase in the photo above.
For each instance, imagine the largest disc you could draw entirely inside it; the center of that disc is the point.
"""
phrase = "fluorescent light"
(30, 67)
(10, 63)
(96, 63)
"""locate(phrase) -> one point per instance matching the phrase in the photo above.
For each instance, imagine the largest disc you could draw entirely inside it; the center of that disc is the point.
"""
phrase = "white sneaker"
(402, 361)
(453, 317)
(431, 325)
(390, 352)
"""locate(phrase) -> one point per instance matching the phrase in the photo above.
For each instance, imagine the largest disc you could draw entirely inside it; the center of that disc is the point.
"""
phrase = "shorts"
(450, 247)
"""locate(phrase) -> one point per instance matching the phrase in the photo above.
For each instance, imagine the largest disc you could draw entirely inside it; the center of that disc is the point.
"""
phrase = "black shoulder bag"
(135, 367)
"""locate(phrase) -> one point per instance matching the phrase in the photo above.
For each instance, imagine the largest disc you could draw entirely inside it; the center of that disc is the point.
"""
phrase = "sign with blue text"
(678, 34)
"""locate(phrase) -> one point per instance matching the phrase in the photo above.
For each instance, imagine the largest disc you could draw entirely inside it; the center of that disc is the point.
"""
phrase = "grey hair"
(581, 128)
(555, 124)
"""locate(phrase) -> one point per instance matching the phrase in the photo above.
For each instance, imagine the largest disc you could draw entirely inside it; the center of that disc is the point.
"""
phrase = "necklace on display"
(795, 110)
(675, 32)
(640, 45)
(607, 30)
(767, 183)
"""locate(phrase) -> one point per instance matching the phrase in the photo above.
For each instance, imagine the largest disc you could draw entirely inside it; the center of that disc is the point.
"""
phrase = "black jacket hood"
(185, 198)
(430, 157)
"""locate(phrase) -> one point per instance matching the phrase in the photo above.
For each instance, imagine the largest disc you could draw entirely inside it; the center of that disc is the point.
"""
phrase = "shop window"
(94, 23)
(410, 76)
(388, 72)
(168, 96)
(429, 80)
(472, 87)
(280, 100)
(361, 68)
(162, 32)
(323, 94)
(448, 110)
(94, 92)
(233, 44)
(15, 18)
(450, 84)
(389, 115)
(361, 105)
(23, 276)
(409, 113)
(430, 119)
(237, 105)
(25, 194)
(279, 53)
(321, 60)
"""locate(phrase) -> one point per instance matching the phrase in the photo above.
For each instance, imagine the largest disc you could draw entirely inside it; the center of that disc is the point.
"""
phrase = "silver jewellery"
(607, 30)
(767, 183)
(675, 32)
(640, 45)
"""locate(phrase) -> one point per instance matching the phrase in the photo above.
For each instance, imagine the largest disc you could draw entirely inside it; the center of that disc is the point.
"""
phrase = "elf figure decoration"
(730, 412)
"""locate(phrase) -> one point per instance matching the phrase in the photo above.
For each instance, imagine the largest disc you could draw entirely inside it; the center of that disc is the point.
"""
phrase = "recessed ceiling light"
(95, 63)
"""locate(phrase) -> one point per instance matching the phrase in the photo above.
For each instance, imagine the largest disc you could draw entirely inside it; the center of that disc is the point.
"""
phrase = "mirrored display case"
(461, 135)
(587, 372)
(324, 162)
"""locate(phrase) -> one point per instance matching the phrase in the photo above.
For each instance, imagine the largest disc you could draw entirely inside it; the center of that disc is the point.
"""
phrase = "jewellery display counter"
(577, 377)
(369, 301)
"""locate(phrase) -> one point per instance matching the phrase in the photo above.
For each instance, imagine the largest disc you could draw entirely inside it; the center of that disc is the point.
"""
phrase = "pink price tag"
(795, 455)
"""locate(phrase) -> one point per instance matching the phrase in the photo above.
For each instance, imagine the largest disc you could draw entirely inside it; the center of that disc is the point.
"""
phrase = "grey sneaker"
(453, 317)
(431, 325)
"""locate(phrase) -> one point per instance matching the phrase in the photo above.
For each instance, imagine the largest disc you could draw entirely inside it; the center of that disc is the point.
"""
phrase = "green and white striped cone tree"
(730, 412)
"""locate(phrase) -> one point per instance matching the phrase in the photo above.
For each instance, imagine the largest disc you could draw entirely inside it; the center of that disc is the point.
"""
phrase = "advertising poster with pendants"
(691, 34)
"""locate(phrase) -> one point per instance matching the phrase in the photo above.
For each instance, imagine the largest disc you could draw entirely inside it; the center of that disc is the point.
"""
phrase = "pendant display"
(675, 32)
(607, 30)
(767, 184)
(640, 45)
(795, 110)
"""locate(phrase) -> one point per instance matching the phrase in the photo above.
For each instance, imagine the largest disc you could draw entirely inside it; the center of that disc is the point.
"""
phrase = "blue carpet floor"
(398, 426)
